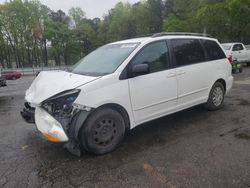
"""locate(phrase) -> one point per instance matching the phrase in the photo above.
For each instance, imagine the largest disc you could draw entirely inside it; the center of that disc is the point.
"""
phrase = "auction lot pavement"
(192, 148)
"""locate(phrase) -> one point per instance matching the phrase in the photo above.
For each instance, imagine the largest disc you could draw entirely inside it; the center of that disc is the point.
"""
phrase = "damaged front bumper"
(28, 113)
(56, 129)
(49, 126)
(45, 123)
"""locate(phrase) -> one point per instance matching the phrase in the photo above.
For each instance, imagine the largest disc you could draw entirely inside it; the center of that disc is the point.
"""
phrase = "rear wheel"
(103, 131)
(216, 97)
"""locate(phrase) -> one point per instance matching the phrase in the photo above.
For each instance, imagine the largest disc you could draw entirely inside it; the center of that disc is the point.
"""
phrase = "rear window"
(238, 47)
(187, 51)
(214, 51)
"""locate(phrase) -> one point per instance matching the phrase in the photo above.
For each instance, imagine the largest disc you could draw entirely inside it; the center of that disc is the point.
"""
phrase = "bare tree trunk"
(45, 53)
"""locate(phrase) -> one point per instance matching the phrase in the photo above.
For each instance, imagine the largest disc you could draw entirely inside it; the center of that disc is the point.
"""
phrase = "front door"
(154, 94)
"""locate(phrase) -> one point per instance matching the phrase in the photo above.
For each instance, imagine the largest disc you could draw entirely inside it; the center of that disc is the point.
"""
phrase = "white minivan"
(124, 84)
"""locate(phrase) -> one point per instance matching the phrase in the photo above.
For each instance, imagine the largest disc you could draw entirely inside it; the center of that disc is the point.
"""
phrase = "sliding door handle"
(171, 75)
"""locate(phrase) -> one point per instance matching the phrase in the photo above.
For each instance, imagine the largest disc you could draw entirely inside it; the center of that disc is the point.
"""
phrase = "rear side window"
(156, 55)
(214, 51)
(187, 51)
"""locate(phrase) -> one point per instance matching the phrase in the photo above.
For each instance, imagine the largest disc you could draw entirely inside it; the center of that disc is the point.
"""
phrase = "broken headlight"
(60, 105)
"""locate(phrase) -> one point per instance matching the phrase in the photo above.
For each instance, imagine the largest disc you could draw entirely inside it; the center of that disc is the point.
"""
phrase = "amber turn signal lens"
(50, 137)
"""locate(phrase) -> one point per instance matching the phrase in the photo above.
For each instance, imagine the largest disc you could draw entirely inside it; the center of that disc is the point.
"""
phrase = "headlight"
(61, 104)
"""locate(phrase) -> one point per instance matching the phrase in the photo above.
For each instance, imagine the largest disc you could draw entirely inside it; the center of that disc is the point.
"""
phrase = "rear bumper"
(229, 83)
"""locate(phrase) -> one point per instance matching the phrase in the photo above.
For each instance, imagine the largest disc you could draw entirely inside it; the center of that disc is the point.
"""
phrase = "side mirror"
(140, 69)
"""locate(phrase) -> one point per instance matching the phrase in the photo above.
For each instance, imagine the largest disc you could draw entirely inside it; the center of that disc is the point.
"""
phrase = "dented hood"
(50, 83)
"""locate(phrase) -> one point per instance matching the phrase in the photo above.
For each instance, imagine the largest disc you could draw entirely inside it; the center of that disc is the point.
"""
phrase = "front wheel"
(103, 131)
(216, 97)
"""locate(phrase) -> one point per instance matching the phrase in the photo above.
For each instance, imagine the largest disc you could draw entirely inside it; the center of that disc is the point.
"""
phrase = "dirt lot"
(193, 148)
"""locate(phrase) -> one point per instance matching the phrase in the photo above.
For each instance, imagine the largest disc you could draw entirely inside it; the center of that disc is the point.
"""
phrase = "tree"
(33, 35)
(77, 14)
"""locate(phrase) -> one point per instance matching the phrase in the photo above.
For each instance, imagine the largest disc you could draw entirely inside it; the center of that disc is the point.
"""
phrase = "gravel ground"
(192, 148)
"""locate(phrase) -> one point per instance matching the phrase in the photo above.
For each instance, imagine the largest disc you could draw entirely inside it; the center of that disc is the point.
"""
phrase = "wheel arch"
(119, 109)
(83, 117)
(223, 82)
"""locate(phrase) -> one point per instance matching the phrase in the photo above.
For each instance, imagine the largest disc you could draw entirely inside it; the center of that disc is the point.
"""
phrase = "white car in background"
(124, 84)
(238, 51)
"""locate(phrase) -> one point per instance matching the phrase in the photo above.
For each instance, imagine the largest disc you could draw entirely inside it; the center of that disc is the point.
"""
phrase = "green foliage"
(33, 35)
(77, 15)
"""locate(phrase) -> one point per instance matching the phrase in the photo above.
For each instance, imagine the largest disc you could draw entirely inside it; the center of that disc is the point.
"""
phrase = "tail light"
(230, 59)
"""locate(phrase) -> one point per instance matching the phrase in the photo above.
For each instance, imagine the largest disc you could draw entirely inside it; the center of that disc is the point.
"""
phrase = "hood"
(50, 83)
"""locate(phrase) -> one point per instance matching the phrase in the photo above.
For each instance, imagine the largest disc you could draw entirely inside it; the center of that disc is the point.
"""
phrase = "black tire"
(215, 102)
(103, 131)
(248, 64)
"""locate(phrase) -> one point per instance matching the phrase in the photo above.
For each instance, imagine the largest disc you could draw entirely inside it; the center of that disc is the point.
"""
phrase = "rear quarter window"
(213, 50)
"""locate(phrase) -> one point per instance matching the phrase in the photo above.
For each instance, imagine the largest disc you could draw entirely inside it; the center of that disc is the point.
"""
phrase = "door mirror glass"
(140, 69)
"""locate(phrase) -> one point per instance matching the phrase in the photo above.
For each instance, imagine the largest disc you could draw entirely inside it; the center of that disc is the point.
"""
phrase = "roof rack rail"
(180, 33)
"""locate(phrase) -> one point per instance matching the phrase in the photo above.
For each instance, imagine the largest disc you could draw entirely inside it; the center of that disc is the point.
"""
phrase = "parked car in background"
(2, 80)
(124, 84)
(11, 75)
(238, 51)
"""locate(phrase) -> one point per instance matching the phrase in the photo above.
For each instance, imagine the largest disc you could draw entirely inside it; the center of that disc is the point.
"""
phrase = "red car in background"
(11, 75)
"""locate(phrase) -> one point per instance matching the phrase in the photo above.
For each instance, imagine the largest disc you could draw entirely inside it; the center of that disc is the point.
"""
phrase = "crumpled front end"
(50, 105)
(58, 119)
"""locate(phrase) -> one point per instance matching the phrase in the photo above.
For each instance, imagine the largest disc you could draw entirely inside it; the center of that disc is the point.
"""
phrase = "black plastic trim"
(28, 113)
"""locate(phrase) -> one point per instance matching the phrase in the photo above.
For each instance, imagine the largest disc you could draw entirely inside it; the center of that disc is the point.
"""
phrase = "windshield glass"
(104, 60)
(227, 46)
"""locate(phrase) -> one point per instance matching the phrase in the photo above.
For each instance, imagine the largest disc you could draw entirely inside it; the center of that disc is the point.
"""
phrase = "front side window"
(156, 55)
(187, 51)
(214, 51)
(105, 60)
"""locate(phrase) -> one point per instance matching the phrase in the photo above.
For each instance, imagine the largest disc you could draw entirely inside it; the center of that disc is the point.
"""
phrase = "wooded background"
(32, 35)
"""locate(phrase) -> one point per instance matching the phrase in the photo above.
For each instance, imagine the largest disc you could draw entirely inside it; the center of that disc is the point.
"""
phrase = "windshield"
(227, 46)
(104, 60)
